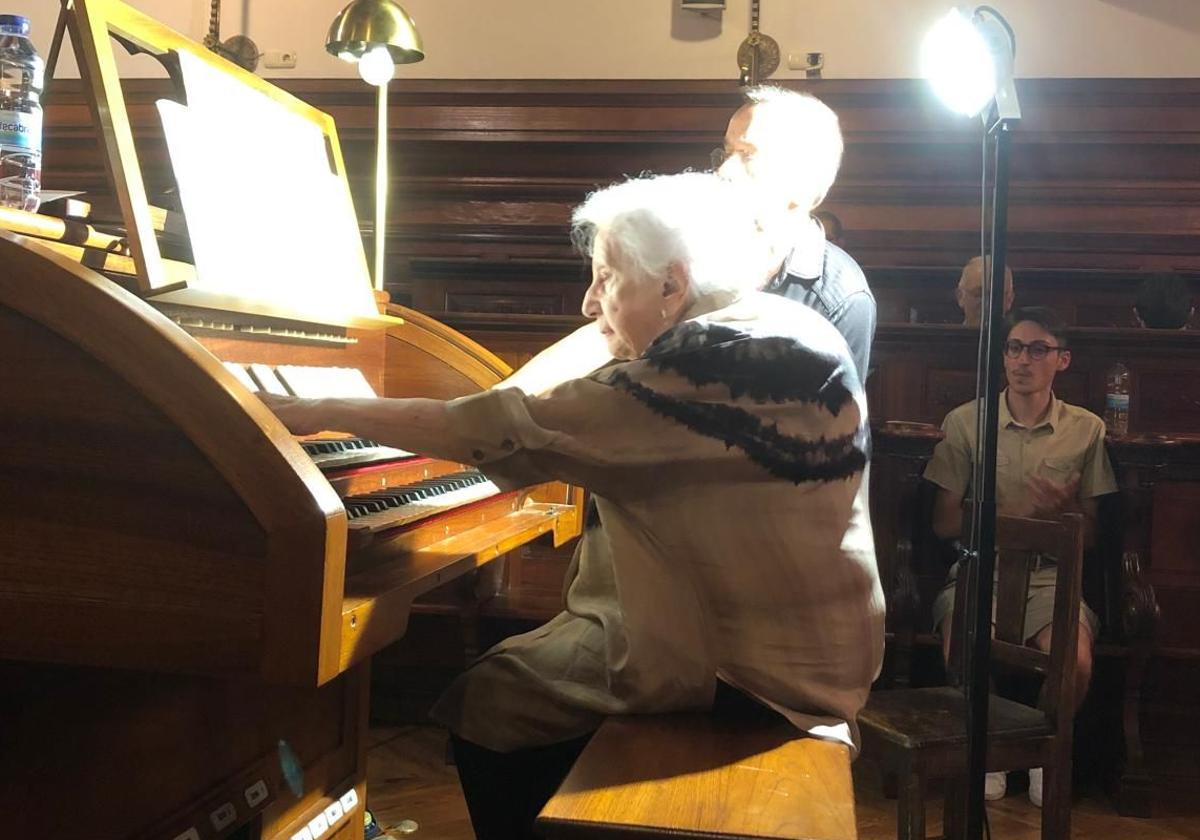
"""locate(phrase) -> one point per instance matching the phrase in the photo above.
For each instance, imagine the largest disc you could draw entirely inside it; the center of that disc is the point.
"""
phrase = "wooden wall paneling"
(1104, 178)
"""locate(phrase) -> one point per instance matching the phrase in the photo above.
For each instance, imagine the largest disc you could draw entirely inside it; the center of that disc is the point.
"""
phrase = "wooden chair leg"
(953, 808)
(910, 807)
(1056, 800)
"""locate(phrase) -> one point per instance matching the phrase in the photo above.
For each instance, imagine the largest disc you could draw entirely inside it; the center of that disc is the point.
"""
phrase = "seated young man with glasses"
(1050, 460)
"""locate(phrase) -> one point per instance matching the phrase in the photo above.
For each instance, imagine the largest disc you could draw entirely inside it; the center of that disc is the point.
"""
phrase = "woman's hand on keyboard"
(301, 416)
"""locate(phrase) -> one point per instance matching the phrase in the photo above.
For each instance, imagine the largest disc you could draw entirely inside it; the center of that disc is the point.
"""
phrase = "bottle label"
(21, 131)
(1117, 402)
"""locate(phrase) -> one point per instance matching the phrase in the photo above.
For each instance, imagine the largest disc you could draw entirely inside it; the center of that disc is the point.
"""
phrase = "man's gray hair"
(695, 219)
(799, 142)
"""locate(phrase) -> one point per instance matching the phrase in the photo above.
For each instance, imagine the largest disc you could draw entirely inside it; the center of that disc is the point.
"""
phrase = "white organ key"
(423, 508)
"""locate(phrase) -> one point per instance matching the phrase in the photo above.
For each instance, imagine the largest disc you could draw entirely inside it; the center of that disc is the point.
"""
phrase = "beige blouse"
(729, 535)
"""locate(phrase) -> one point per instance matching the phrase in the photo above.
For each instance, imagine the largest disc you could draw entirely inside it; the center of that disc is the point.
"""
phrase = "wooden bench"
(694, 775)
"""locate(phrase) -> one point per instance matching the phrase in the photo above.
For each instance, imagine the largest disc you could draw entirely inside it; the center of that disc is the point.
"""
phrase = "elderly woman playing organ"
(726, 554)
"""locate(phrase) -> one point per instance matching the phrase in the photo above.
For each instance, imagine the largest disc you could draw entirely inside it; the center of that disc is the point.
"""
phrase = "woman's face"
(630, 307)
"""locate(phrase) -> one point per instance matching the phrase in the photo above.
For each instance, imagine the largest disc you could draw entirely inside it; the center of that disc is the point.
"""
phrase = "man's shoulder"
(1078, 419)
(786, 317)
(959, 423)
(963, 413)
(844, 273)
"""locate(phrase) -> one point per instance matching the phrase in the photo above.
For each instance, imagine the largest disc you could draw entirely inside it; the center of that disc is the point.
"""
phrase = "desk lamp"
(377, 35)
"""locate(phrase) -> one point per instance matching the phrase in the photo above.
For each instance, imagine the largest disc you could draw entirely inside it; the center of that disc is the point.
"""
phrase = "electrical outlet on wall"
(810, 62)
(279, 59)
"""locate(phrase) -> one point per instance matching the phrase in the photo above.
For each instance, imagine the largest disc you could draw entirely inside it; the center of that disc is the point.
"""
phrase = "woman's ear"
(676, 285)
(1064, 359)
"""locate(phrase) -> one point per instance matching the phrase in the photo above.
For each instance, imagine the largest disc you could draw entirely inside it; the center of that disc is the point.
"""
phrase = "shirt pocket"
(1059, 470)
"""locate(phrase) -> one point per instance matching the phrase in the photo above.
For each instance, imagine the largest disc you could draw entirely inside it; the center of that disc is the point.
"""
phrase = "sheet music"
(317, 382)
(267, 380)
(268, 218)
(241, 375)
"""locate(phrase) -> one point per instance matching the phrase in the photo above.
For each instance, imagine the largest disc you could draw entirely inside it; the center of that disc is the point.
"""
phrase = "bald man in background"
(969, 294)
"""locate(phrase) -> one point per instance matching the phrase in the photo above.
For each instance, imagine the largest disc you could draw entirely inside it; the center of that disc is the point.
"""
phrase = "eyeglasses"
(720, 154)
(1037, 349)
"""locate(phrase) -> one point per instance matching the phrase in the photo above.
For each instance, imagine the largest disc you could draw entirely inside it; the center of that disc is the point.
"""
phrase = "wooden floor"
(409, 779)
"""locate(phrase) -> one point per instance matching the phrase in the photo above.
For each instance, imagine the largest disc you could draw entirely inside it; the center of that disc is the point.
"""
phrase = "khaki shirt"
(729, 537)
(1068, 441)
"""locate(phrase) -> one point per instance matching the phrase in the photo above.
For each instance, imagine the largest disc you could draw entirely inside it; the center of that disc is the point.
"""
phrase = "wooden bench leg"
(910, 807)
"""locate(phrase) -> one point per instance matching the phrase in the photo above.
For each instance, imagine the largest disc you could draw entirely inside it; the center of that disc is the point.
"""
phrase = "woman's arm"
(419, 425)
(572, 357)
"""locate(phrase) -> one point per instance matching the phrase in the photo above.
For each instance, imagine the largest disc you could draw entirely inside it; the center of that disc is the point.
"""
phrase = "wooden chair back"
(1020, 544)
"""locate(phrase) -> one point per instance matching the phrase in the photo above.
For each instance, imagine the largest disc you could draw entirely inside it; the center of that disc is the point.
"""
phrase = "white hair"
(695, 219)
(799, 142)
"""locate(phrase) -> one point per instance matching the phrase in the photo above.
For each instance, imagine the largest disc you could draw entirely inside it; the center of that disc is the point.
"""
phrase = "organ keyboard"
(187, 589)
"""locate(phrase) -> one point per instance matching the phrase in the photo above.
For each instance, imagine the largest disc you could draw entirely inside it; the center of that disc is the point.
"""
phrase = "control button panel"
(224, 816)
(318, 825)
(256, 794)
(333, 812)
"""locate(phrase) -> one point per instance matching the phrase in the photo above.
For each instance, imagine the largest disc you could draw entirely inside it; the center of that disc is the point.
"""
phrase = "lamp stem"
(381, 186)
(983, 532)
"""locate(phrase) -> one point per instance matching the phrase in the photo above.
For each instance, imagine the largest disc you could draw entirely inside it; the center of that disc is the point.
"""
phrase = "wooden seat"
(936, 717)
(695, 775)
(920, 734)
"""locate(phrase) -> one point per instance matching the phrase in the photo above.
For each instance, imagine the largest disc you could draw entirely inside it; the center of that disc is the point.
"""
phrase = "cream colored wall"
(654, 39)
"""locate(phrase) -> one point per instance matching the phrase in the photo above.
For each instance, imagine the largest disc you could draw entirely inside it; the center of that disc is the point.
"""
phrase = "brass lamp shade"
(366, 24)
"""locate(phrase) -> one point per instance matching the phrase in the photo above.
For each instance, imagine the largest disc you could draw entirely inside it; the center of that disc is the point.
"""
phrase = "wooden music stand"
(94, 24)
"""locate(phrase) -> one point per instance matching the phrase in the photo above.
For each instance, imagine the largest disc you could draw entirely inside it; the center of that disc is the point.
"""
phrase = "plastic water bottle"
(1116, 400)
(22, 73)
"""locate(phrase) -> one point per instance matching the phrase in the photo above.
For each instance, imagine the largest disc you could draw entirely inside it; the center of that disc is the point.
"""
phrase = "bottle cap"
(18, 24)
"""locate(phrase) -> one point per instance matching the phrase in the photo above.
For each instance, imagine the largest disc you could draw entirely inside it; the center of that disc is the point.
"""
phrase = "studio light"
(968, 59)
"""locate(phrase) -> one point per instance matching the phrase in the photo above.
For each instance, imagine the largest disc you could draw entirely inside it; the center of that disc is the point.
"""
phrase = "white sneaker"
(1035, 786)
(995, 785)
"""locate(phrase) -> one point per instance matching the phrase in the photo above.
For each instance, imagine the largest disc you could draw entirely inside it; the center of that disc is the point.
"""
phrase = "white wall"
(652, 39)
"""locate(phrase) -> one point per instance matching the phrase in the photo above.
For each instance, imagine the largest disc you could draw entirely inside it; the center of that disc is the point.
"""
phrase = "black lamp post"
(969, 60)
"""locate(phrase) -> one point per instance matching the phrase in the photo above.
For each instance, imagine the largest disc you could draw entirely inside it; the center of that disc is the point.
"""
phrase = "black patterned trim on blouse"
(790, 458)
(769, 369)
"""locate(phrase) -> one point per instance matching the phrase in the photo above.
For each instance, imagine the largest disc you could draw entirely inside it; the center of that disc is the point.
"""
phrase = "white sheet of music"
(241, 375)
(316, 382)
(268, 218)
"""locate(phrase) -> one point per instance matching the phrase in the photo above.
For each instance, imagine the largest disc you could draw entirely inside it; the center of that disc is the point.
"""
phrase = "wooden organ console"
(189, 596)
